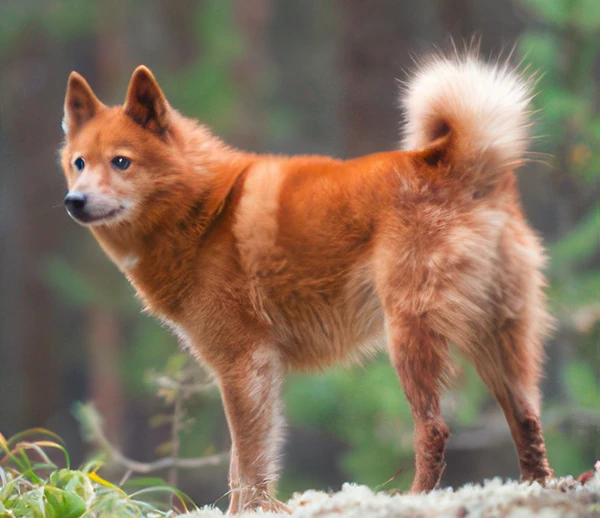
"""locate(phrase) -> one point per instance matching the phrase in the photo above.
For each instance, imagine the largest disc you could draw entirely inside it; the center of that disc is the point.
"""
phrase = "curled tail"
(475, 115)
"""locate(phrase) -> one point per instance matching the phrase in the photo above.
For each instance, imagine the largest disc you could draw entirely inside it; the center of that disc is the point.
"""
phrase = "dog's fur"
(262, 264)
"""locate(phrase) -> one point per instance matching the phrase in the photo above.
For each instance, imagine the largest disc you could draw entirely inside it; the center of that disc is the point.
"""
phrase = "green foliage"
(82, 289)
(580, 244)
(62, 19)
(74, 287)
(206, 89)
(566, 48)
(582, 15)
(33, 486)
(150, 346)
(366, 409)
(189, 397)
(582, 385)
(570, 124)
(552, 11)
(471, 397)
(566, 455)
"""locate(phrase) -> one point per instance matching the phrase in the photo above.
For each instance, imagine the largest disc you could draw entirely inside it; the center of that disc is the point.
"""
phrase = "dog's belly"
(315, 330)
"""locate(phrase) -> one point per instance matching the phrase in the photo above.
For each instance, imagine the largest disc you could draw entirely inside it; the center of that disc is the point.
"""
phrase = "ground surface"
(563, 497)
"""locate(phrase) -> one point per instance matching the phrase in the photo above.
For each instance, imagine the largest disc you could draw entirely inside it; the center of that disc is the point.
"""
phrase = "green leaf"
(63, 504)
(73, 481)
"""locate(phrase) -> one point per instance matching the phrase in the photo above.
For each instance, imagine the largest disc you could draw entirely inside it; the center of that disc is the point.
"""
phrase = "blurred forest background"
(291, 77)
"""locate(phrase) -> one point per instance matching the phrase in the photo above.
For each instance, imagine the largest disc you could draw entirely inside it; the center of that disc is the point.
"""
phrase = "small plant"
(176, 385)
(32, 485)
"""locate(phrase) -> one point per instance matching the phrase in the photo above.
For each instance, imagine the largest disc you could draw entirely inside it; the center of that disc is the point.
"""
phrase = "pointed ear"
(81, 104)
(145, 102)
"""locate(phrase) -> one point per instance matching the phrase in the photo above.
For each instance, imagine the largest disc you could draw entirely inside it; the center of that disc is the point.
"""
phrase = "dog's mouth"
(85, 218)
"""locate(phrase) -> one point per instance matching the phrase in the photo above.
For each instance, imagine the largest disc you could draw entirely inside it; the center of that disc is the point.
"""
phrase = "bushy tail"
(481, 110)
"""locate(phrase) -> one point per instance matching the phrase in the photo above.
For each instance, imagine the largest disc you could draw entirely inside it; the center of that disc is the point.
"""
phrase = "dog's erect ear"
(81, 104)
(145, 102)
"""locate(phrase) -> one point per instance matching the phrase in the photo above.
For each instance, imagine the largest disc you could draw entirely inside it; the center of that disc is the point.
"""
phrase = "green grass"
(32, 485)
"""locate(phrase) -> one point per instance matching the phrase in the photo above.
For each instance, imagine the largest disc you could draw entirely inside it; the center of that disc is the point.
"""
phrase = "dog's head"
(115, 157)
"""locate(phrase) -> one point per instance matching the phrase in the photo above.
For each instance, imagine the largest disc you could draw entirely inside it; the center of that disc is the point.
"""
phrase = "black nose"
(75, 203)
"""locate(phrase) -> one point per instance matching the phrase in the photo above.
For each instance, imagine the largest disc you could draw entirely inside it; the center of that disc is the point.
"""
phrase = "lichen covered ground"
(562, 497)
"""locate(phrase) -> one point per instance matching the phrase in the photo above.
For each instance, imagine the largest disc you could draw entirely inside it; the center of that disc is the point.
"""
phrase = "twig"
(492, 429)
(188, 390)
(94, 429)
(175, 440)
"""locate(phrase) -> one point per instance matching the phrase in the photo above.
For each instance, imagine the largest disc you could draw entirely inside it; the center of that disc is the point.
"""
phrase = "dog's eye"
(121, 163)
(79, 164)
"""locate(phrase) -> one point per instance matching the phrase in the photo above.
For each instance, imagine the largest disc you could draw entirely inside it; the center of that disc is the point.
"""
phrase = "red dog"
(262, 264)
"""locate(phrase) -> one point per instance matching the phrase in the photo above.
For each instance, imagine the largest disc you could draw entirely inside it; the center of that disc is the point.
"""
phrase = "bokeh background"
(291, 77)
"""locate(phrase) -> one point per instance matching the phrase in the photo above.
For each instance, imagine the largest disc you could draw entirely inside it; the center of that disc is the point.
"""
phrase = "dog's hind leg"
(420, 359)
(509, 365)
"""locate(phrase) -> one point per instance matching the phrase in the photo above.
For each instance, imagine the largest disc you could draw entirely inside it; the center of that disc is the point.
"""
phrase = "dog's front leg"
(250, 388)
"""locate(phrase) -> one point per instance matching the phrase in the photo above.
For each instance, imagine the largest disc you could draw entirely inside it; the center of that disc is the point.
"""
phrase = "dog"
(263, 264)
